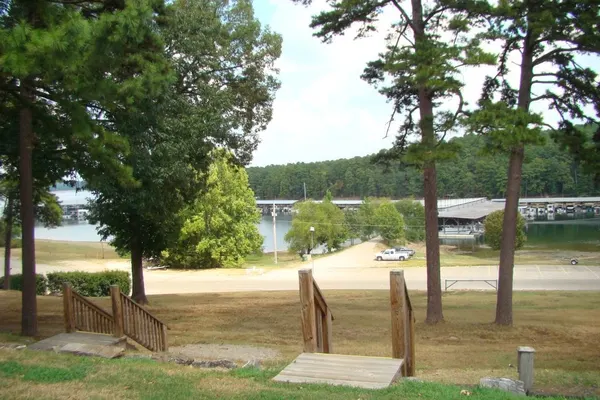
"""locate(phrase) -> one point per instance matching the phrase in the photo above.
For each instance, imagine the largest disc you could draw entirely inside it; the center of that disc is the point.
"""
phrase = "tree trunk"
(515, 169)
(432, 244)
(137, 274)
(7, 240)
(428, 140)
(509, 231)
(29, 301)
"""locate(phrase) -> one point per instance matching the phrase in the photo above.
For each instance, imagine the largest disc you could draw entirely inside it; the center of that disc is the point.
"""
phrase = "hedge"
(16, 283)
(90, 284)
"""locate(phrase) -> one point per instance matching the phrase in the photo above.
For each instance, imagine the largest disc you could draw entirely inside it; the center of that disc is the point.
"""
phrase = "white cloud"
(324, 110)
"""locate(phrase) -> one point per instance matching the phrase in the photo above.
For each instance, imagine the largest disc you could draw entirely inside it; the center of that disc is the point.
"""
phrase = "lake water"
(572, 235)
(84, 232)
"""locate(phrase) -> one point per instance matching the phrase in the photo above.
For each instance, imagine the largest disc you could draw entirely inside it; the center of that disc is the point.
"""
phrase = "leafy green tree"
(334, 231)
(414, 218)
(299, 237)
(66, 64)
(220, 228)
(221, 97)
(390, 223)
(366, 218)
(493, 230)
(353, 225)
(547, 37)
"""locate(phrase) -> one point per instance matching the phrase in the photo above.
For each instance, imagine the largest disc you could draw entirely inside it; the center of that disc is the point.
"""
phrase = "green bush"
(16, 283)
(90, 284)
(493, 230)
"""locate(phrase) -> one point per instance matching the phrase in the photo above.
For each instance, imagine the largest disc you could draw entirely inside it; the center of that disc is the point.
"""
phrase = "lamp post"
(312, 239)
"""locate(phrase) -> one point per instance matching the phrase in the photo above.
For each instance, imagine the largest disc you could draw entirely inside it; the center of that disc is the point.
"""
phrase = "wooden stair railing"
(83, 315)
(403, 322)
(128, 318)
(316, 315)
(137, 323)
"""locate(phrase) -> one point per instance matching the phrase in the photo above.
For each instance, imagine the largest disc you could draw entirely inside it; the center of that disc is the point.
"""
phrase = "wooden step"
(338, 369)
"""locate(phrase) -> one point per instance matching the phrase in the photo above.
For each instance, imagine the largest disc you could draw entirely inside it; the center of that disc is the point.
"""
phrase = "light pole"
(312, 239)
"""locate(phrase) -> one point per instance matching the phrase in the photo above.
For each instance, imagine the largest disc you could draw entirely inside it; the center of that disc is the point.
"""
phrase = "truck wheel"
(379, 258)
(401, 258)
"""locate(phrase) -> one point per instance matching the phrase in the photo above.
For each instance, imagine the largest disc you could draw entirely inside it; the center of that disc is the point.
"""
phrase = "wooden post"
(307, 301)
(327, 329)
(525, 366)
(68, 308)
(117, 310)
(410, 368)
(397, 303)
(164, 338)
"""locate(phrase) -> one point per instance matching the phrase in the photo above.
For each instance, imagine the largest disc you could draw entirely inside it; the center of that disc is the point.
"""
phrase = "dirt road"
(353, 268)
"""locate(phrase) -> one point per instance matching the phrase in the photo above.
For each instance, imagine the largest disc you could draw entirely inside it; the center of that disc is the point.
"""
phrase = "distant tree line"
(548, 171)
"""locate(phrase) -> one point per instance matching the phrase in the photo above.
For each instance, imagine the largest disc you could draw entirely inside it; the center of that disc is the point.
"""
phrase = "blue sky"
(324, 111)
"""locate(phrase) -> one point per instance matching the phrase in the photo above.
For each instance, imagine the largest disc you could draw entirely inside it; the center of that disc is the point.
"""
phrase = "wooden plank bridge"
(317, 365)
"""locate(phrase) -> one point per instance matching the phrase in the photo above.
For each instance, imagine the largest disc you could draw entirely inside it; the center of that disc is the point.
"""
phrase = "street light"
(312, 239)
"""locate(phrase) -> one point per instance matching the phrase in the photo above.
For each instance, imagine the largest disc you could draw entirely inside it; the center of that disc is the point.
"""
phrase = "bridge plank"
(338, 369)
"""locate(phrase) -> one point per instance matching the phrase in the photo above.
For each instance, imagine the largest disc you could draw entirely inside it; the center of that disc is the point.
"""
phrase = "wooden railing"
(83, 315)
(403, 322)
(316, 315)
(128, 318)
(134, 321)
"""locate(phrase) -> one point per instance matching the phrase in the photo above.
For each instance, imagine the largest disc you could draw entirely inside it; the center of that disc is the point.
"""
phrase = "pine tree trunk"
(432, 247)
(507, 247)
(513, 189)
(137, 274)
(7, 240)
(29, 301)
(428, 140)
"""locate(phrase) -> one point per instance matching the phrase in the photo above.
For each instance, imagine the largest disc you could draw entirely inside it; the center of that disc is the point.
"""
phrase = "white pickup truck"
(393, 255)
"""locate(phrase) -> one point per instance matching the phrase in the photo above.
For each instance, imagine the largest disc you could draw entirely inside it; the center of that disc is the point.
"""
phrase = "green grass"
(562, 326)
(33, 375)
(54, 250)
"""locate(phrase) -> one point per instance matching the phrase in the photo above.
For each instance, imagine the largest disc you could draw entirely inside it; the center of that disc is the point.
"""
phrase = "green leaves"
(327, 220)
(389, 223)
(220, 228)
(493, 230)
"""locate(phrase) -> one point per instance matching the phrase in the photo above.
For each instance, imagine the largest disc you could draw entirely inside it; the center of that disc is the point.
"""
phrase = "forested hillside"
(548, 171)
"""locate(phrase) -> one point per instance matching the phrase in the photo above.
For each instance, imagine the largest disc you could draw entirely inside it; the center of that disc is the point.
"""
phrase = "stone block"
(92, 350)
(505, 384)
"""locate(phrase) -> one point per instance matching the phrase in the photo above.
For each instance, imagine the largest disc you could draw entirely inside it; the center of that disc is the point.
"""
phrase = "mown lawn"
(563, 327)
(43, 375)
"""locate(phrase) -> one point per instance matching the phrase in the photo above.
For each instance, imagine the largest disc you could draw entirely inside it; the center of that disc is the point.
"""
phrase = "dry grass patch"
(563, 327)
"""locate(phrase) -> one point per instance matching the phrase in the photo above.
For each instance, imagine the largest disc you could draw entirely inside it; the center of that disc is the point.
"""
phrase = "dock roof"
(472, 211)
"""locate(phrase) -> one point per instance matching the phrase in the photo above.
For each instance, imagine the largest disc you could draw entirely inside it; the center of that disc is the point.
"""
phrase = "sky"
(323, 110)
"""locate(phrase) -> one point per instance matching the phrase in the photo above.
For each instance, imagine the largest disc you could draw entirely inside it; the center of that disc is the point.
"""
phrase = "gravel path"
(225, 351)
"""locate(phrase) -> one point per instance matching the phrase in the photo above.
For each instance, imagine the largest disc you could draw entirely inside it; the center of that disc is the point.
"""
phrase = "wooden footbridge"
(318, 365)
(89, 325)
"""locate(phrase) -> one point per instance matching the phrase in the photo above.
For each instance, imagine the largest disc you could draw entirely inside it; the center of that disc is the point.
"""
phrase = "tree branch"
(434, 13)
(546, 57)
(404, 13)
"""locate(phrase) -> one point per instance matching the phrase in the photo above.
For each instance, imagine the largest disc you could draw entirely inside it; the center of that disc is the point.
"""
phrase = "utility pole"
(304, 191)
(275, 232)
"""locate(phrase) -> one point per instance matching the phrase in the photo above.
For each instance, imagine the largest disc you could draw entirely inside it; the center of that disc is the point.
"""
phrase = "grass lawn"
(37, 375)
(563, 327)
(47, 251)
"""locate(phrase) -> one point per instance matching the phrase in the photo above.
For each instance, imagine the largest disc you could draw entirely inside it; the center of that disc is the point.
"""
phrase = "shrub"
(493, 230)
(90, 284)
(16, 283)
